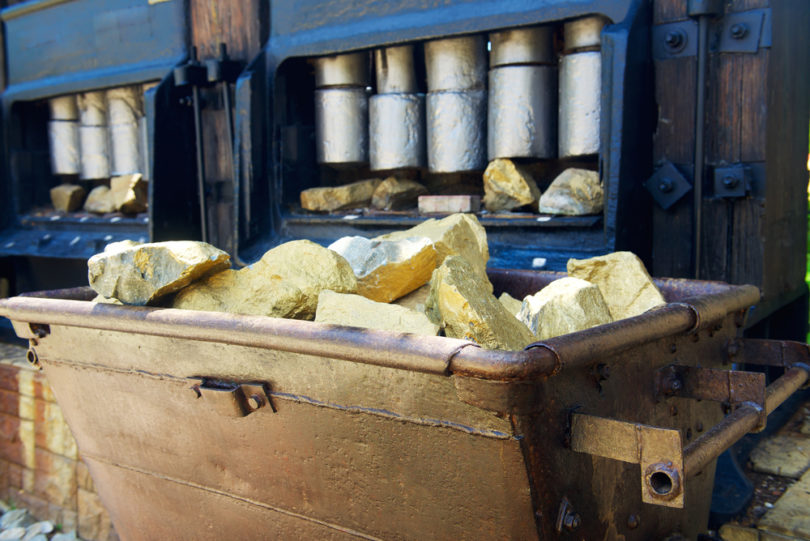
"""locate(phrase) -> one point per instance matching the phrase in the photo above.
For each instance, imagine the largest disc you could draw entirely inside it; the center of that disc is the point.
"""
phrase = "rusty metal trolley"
(209, 425)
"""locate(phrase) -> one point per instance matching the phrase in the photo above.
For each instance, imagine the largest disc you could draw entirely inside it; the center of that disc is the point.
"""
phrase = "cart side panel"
(368, 470)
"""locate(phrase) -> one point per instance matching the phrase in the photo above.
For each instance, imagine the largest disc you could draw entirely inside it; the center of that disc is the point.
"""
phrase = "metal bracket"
(745, 31)
(658, 451)
(732, 181)
(667, 185)
(783, 353)
(232, 399)
(674, 40)
(733, 387)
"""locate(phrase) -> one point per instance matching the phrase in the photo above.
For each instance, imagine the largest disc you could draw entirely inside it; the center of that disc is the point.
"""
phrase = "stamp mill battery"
(456, 104)
(63, 135)
(341, 109)
(125, 108)
(580, 87)
(522, 112)
(95, 162)
(396, 112)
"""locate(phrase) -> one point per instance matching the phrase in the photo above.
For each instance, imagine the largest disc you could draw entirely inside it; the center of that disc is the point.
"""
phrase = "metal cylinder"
(124, 111)
(396, 131)
(394, 69)
(143, 130)
(349, 69)
(124, 105)
(585, 32)
(95, 163)
(521, 46)
(64, 108)
(63, 136)
(125, 149)
(456, 63)
(92, 108)
(522, 112)
(580, 103)
(456, 128)
(341, 125)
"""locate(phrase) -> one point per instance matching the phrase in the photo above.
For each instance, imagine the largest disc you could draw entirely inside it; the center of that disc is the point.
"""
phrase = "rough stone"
(508, 186)
(458, 234)
(69, 536)
(16, 518)
(129, 193)
(143, 274)
(397, 194)
(387, 270)
(285, 282)
(463, 305)
(12, 534)
(67, 197)
(573, 193)
(416, 299)
(564, 306)
(101, 299)
(789, 515)
(94, 522)
(55, 479)
(623, 280)
(99, 200)
(358, 311)
(38, 528)
(121, 245)
(348, 196)
(510, 303)
(786, 455)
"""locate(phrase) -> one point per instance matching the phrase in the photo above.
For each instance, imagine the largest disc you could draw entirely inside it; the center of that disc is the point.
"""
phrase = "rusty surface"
(754, 351)
(657, 451)
(371, 434)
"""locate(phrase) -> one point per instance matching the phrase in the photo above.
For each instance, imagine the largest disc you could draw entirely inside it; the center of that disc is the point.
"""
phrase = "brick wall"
(40, 467)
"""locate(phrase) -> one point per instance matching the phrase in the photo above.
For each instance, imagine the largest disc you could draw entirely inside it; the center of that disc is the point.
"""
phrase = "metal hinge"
(737, 32)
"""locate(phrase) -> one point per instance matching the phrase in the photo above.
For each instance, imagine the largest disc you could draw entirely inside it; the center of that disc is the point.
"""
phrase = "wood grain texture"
(675, 81)
(240, 24)
(666, 11)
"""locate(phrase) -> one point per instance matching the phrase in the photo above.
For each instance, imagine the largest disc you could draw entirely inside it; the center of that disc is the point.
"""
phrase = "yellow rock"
(129, 193)
(358, 311)
(101, 299)
(463, 305)
(623, 280)
(574, 192)
(510, 303)
(348, 196)
(144, 273)
(67, 197)
(508, 186)
(564, 306)
(242, 292)
(416, 299)
(99, 200)
(458, 234)
(397, 194)
(310, 267)
(387, 270)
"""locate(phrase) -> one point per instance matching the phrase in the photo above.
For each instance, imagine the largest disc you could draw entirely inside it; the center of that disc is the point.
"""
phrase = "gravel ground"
(19, 525)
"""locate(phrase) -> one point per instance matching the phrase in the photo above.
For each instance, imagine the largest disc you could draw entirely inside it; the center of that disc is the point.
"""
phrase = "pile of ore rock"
(19, 525)
(507, 186)
(125, 193)
(430, 279)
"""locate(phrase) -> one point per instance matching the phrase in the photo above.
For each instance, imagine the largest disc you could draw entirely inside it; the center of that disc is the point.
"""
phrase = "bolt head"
(675, 40)
(666, 185)
(676, 384)
(730, 181)
(255, 402)
(572, 521)
(739, 30)
(633, 521)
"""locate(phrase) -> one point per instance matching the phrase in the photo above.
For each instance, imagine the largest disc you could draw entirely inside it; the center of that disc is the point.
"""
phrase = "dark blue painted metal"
(61, 47)
(316, 27)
